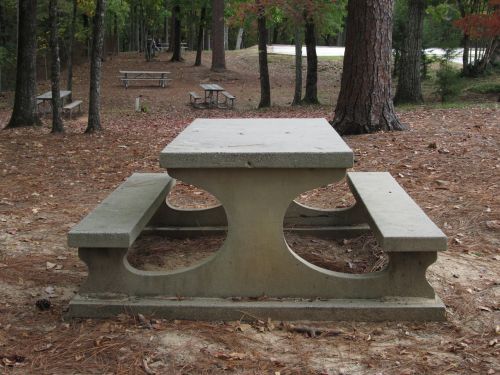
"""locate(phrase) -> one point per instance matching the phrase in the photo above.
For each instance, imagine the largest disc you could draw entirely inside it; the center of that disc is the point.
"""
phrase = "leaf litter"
(448, 162)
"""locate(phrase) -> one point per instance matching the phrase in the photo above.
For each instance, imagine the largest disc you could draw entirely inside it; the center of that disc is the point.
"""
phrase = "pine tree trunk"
(239, 38)
(409, 88)
(55, 70)
(297, 97)
(218, 53)
(177, 34)
(94, 122)
(311, 95)
(465, 57)
(25, 110)
(365, 103)
(199, 42)
(265, 87)
(165, 22)
(72, 28)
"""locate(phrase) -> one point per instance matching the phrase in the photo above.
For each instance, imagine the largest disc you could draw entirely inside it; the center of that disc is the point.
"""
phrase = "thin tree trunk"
(72, 28)
(25, 110)
(199, 42)
(94, 122)
(311, 96)
(218, 53)
(365, 103)
(177, 34)
(172, 32)
(55, 69)
(165, 22)
(239, 38)
(265, 87)
(298, 67)
(409, 88)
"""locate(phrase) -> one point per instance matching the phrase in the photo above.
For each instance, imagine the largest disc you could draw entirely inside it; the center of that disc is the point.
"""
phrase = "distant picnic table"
(47, 96)
(211, 98)
(211, 93)
(143, 75)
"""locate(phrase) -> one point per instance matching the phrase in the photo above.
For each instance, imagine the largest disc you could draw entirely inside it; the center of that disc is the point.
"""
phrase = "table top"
(211, 87)
(48, 95)
(142, 72)
(258, 143)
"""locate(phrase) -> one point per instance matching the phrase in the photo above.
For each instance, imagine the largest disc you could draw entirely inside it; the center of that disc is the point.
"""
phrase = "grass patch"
(486, 88)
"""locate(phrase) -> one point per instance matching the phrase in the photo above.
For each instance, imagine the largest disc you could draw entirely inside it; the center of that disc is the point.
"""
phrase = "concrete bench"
(121, 217)
(398, 223)
(229, 102)
(68, 108)
(194, 99)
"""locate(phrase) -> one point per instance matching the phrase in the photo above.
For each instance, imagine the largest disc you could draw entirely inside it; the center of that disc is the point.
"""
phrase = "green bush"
(448, 82)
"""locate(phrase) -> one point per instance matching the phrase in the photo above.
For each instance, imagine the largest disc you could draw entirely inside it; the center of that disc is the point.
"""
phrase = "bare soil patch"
(448, 162)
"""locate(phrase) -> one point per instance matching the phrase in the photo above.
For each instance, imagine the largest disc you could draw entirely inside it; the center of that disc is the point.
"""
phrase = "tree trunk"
(165, 22)
(172, 32)
(55, 70)
(265, 87)
(72, 28)
(365, 103)
(298, 67)
(177, 34)
(218, 53)
(25, 109)
(94, 122)
(239, 38)
(311, 96)
(409, 88)
(199, 41)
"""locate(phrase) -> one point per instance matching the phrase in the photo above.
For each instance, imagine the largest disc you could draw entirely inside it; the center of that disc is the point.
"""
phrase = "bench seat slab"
(121, 217)
(397, 221)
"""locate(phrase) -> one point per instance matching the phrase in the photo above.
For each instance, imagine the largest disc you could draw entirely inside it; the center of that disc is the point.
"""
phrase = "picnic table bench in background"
(143, 75)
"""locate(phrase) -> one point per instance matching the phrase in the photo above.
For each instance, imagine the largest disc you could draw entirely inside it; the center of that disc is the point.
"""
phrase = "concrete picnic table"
(210, 89)
(256, 168)
(135, 75)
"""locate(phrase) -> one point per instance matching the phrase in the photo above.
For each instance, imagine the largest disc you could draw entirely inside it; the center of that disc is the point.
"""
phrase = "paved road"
(283, 49)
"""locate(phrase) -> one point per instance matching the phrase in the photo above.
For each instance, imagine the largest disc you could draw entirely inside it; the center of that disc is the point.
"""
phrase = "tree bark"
(25, 109)
(177, 34)
(265, 87)
(55, 69)
(409, 88)
(311, 95)
(298, 67)
(199, 41)
(365, 103)
(239, 38)
(218, 53)
(72, 28)
(94, 122)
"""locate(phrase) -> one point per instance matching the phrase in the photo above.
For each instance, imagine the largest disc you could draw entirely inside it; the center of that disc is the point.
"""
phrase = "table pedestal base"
(213, 309)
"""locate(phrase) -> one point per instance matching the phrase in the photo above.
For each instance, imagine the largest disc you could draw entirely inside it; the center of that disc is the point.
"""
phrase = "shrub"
(447, 78)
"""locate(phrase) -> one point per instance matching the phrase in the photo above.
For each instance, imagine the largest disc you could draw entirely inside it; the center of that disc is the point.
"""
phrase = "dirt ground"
(448, 161)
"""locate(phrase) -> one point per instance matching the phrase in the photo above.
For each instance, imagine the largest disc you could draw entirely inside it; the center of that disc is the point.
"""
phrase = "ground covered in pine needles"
(448, 161)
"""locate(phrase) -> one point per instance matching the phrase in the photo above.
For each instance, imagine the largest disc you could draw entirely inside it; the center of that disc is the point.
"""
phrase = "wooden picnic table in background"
(143, 75)
(47, 97)
(211, 100)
